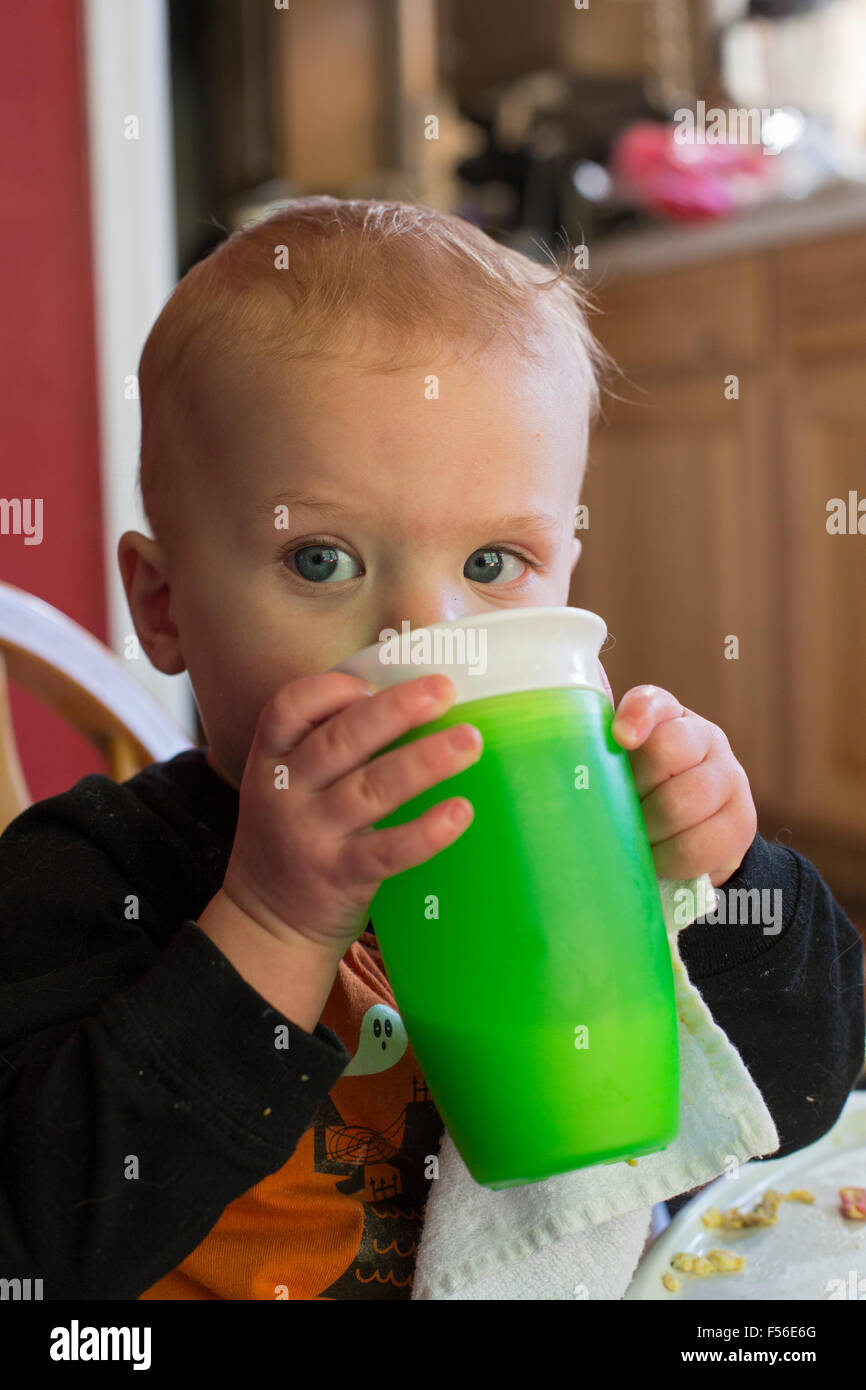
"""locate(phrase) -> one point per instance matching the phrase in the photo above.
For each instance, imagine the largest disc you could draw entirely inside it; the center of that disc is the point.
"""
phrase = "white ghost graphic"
(381, 1043)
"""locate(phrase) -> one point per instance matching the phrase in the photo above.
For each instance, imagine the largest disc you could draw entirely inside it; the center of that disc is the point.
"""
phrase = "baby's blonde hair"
(301, 282)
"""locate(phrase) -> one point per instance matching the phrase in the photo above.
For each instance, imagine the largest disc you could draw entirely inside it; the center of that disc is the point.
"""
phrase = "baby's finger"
(372, 855)
(691, 853)
(686, 800)
(671, 749)
(640, 710)
(365, 727)
(387, 782)
(299, 706)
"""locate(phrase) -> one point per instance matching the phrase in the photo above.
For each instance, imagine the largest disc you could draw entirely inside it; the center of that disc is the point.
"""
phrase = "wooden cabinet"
(708, 522)
(826, 418)
(688, 320)
(822, 297)
(680, 558)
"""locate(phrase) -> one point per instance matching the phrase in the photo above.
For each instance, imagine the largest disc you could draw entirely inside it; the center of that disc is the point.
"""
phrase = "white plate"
(800, 1257)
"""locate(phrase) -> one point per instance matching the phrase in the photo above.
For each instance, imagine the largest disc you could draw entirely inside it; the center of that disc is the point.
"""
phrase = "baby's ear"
(142, 567)
(576, 548)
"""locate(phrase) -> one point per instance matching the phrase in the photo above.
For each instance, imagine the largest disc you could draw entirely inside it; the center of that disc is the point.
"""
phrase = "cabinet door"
(826, 423)
(683, 554)
(696, 319)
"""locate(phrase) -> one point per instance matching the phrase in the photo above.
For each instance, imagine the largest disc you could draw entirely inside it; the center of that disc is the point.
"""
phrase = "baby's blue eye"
(317, 562)
(485, 566)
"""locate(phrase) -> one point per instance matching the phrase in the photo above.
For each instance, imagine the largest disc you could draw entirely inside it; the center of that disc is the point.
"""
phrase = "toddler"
(353, 414)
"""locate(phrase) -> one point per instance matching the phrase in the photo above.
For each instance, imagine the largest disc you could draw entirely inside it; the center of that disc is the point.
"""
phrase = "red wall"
(49, 441)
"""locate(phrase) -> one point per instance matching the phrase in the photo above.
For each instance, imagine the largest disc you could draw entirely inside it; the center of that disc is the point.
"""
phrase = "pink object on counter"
(684, 182)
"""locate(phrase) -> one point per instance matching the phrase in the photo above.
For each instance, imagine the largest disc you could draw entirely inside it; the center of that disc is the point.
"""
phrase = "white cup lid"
(491, 653)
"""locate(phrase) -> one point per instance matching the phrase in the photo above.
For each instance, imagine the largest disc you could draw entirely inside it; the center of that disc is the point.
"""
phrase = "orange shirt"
(342, 1218)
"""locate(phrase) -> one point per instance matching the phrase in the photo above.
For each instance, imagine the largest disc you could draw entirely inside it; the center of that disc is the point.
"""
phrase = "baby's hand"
(695, 796)
(307, 861)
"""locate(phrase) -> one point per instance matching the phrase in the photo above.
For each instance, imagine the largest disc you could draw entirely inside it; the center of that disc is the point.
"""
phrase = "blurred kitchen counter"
(835, 207)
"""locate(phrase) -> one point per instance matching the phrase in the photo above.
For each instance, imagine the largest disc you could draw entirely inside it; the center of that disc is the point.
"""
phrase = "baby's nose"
(430, 614)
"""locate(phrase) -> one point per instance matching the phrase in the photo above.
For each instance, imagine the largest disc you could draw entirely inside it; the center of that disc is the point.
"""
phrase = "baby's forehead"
(368, 344)
(253, 410)
(428, 376)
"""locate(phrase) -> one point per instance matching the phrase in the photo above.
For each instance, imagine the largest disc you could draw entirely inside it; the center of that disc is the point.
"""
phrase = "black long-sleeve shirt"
(144, 1105)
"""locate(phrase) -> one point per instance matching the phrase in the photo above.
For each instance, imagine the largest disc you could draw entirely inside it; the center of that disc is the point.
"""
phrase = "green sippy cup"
(529, 959)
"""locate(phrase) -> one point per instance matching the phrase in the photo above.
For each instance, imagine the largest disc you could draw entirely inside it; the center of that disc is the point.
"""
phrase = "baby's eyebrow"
(293, 498)
(527, 521)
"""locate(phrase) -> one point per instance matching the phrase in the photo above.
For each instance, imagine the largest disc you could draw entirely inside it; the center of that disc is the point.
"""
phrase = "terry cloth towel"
(582, 1234)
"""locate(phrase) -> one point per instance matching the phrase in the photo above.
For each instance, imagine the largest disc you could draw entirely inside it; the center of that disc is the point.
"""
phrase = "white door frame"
(127, 61)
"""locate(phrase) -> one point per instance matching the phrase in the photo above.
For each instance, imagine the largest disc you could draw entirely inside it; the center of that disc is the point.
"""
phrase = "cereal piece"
(764, 1212)
(714, 1262)
(853, 1203)
(632, 1162)
(724, 1261)
(671, 1282)
(683, 1261)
